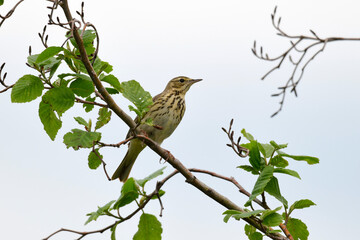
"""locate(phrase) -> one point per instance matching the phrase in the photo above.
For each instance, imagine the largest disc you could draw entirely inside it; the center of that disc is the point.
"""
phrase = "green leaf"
(48, 53)
(249, 229)
(161, 193)
(297, 229)
(248, 169)
(254, 159)
(155, 174)
(89, 107)
(278, 161)
(113, 230)
(104, 118)
(100, 66)
(60, 99)
(300, 204)
(263, 179)
(138, 96)
(272, 219)
(101, 211)
(129, 192)
(93, 160)
(266, 149)
(113, 81)
(1, 2)
(267, 212)
(82, 121)
(48, 118)
(278, 146)
(287, 171)
(26, 89)
(308, 159)
(149, 228)
(53, 69)
(112, 91)
(81, 139)
(256, 236)
(238, 215)
(82, 87)
(247, 135)
(273, 189)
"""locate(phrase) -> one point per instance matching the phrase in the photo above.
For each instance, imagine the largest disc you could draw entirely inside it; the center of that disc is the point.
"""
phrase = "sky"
(45, 186)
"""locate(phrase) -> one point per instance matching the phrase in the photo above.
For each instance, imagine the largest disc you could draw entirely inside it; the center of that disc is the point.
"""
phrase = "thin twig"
(306, 52)
(79, 100)
(7, 15)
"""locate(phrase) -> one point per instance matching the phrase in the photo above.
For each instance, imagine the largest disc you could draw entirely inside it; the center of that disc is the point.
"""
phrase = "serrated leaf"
(248, 169)
(238, 215)
(149, 228)
(300, 204)
(254, 156)
(60, 99)
(273, 219)
(287, 171)
(249, 229)
(113, 81)
(308, 159)
(101, 211)
(155, 174)
(49, 119)
(81, 139)
(129, 192)
(48, 53)
(256, 236)
(278, 146)
(297, 229)
(247, 135)
(93, 160)
(138, 96)
(263, 179)
(266, 149)
(89, 107)
(267, 212)
(278, 161)
(82, 121)
(82, 87)
(272, 188)
(26, 89)
(103, 118)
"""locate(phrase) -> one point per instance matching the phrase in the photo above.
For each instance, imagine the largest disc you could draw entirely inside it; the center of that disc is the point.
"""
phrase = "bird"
(166, 112)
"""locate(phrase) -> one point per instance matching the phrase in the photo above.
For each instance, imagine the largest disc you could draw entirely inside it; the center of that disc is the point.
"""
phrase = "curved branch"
(3, 18)
(295, 49)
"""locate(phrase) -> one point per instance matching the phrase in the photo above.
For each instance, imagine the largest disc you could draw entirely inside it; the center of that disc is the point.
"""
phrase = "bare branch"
(7, 15)
(296, 48)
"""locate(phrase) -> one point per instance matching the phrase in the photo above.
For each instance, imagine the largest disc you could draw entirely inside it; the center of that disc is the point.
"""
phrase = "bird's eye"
(182, 80)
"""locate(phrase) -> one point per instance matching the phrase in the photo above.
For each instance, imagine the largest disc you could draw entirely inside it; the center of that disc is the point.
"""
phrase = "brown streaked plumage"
(166, 112)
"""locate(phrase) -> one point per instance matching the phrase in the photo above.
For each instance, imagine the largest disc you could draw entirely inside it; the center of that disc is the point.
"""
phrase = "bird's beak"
(195, 80)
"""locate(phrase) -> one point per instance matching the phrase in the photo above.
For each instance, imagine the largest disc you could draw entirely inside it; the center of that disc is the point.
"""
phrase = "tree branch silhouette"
(302, 50)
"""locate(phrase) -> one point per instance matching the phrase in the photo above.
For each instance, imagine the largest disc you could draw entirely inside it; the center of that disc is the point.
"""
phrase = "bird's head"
(181, 84)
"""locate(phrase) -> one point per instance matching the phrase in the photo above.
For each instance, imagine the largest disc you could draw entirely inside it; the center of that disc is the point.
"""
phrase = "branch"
(295, 50)
(3, 18)
(190, 178)
(2, 80)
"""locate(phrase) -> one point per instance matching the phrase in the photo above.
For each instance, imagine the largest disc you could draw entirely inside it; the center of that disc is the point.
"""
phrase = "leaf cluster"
(266, 160)
(60, 91)
(133, 191)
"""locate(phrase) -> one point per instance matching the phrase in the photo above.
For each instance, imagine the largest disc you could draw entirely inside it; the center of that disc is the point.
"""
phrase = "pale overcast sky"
(45, 186)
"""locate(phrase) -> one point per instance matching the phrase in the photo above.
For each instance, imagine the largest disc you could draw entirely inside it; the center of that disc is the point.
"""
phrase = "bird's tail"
(123, 171)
